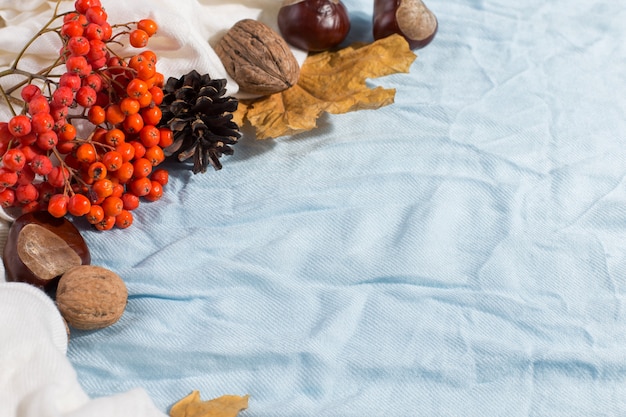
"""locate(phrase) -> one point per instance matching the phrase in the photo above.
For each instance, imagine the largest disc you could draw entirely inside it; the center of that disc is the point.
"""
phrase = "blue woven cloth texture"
(461, 252)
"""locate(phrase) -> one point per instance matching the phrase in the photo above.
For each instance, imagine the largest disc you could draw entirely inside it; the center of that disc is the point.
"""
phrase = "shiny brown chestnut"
(409, 18)
(40, 248)
(313, 25)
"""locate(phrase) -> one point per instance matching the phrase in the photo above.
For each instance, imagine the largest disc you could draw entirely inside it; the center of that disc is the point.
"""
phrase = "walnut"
(91, 297)
(257, 58)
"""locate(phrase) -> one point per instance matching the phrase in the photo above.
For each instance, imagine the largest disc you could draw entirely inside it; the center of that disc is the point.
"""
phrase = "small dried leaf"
(224, 406)
(332, 82)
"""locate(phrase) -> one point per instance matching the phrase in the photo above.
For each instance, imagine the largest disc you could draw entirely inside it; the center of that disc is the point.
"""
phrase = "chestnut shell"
(16, 271)
(385, 23)
(314, 25)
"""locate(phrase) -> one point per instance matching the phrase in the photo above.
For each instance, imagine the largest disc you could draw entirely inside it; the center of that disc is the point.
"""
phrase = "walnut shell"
(257, 58)
(90, 297)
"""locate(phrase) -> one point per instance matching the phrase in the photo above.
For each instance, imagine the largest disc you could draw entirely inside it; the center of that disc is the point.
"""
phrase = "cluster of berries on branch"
(85, 138)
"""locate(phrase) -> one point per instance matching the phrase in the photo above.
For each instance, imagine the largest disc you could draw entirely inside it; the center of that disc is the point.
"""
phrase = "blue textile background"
(461, 252)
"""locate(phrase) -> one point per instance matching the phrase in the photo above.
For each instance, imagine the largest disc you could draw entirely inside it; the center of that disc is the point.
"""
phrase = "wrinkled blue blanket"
(461, 252)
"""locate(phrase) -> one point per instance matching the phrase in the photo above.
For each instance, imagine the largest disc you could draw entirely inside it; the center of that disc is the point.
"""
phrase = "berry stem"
(41, 31)
(10, 100)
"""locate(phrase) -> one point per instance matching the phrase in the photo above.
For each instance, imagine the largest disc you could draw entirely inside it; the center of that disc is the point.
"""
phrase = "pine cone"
(195, 108)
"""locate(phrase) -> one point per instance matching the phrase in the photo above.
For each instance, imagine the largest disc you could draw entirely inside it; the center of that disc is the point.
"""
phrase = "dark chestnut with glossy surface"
(313, 25)
(66, 242)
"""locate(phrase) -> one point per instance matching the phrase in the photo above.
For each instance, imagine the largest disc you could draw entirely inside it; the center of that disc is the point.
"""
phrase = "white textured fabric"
(36, 378)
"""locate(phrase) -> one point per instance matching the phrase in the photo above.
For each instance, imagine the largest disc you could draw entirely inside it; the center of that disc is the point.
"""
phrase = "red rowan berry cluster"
(85, 139)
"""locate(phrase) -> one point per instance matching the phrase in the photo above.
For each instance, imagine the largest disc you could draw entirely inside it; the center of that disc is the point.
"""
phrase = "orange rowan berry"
(138, 38)
(97, 170)
(28, 139)
(103, 188)
(129, 106)
(142, 167)
(116, 65)
(41, 164)
(136, 88)
(157, 95)
(99, 135)
(149, 55)
(96, 114)
(159, 79)
(14, 159)
(149, 135)
(78, 205)
(45, 192)
(125, 172)
(114, 114)
(26, 192)
(124, 219)
(127, 150)
(29, 152)
(136, 61)
(140, 150)
(133, 123)
(145, 100)
(160, 175)
(97, 15)
(86, 153)
(58, 176)
(112, 160)
(151, 115)
(19, 125)
(38, 103)
(148, 25)
(57, 206)
(31, 207)
(166, 137)
(47, 140)
(67, 132)
(112, 206)
(8, 177)
(78, 15)
(156, 191)
(106, 223)
(41, 122)
(146, 70)
(155, 155)
(114, 137)
(96, 214)
(118, 189)
(65, 147)
(130, 200)
(140, 186)
(72, 28)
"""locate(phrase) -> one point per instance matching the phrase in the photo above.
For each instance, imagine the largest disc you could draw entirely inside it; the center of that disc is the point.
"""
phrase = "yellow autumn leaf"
(332, 82)
(224, 406)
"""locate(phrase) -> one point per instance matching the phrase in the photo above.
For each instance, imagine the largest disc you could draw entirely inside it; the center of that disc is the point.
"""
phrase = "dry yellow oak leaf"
(332, 82)
(224, 406)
